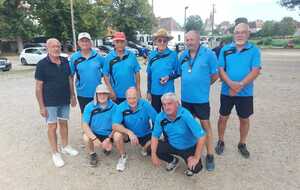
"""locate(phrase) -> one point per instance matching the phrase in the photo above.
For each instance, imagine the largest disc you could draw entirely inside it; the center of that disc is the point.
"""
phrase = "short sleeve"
(72, 65)
(117, 116)
(86, 115)
(195, 127)
(157, 130)
(256, 60)
(213, 63)
(39, 72)
(105, 69)
(221, 58)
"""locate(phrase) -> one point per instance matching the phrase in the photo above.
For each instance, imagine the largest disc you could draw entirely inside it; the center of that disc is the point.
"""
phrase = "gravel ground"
(274, 141)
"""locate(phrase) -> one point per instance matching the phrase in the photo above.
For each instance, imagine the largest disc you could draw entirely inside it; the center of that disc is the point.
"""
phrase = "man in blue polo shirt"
(239, 65)
(162, 69)
(183, 136)
(86, 64)
(198, 72)
(121, 69)
(55, 92)
(131, 122)
(97, 123)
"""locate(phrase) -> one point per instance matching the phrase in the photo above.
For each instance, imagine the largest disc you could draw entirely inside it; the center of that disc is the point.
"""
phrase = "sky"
(226, 10)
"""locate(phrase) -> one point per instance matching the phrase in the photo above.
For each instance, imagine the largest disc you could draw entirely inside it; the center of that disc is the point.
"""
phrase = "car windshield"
(43, 50)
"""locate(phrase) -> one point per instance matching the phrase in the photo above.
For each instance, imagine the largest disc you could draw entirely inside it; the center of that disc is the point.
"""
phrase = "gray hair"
(52, 40)
(169, 96)
(130, 88)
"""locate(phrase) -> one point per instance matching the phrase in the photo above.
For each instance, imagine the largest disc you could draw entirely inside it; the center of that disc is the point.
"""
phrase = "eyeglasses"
(240, 32)
(162, 41)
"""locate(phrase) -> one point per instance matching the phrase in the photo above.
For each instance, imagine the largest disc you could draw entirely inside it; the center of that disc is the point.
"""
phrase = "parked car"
(31, 44)
(34, 55)
(5, 64)
(290, 44)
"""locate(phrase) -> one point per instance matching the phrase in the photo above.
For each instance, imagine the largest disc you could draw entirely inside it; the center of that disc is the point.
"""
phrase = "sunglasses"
(162, 41)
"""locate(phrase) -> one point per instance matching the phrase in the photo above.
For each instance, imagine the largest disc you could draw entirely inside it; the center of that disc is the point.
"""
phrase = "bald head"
(132, 97)
(53, 47)
(242, 27)
(192, 40)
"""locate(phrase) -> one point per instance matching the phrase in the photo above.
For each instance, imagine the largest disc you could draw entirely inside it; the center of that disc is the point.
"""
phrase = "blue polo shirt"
(165, 66)
(88, 72)
(121, 73)
(138, 121)
(195, 85)
(101, 123)
(182, 133)
(239, 65)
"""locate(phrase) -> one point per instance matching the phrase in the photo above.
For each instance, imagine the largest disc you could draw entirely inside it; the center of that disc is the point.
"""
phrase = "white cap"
(101, 88)
(84, 35)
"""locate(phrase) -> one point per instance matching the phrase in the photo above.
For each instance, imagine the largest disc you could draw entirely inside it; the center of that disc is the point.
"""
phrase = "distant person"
(86, 64)
(183, 136)
(218, 48)
(131, 122)
(54, 93)
(199, 70)
(121, 69)
(162, 69)
(239, 65)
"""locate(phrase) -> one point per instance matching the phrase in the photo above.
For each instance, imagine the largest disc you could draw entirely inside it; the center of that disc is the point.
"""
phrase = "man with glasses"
(55, 92)
(121, 69)
(239, 65)
(162, 69)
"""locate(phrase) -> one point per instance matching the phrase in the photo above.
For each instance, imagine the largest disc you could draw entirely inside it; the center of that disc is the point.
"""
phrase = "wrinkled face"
(54, 48)
(120, 45)
(161, 43)
(192, 41)
(241, 35)
(170, 106)
(85, 44)
(102, 97)
(132, 98)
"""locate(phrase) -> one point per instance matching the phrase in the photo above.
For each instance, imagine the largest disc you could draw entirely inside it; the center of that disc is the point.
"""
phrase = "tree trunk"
(19, 44)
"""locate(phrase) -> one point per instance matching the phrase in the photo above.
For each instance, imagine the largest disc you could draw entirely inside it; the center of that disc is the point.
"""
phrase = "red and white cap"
(119, 36)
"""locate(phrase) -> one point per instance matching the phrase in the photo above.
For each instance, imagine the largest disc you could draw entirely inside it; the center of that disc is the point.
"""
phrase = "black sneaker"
(106, 152)
(188, 173)
(243, 150)
(172, 165)
(210, 164)
(220, 147)
(93, 160)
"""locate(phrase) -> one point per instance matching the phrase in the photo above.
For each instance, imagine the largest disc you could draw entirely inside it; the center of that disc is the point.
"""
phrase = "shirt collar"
(114, 52)
(166, 51)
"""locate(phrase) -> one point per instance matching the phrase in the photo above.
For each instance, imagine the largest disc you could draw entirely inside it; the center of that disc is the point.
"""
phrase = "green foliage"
(194, 22)
(297, 40)
(130, 16)
(290, 3)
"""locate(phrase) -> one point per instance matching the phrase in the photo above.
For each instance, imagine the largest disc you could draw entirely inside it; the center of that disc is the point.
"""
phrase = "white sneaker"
(144, 152)
(122, 163)
(69, 150)
(58, 161)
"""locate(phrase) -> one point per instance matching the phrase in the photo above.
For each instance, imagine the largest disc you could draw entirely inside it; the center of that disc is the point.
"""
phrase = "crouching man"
(97, 123)
(183, 136)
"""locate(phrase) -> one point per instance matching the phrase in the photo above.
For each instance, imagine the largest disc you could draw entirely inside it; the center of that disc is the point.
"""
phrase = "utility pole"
(185, 8)
(73, 26)
(213, 19)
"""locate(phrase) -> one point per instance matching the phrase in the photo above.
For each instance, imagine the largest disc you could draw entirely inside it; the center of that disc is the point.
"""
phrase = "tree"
(290, 3)
(268, 29)
(241, 20)
(287, 26)
(194, 22)
(16, 21)
(130, 16)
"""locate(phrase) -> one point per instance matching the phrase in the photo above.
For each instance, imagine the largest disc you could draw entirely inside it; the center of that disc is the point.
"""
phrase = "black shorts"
(103, 137)
(142, 140)
(201, 111)
(83, 101)
(243, 105)
(156, 102)
(119, 100)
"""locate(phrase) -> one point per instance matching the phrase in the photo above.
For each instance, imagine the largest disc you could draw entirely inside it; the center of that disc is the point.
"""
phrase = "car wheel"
(23, 61)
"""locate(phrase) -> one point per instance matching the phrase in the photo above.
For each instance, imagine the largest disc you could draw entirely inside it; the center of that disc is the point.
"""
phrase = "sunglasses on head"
(162, 40)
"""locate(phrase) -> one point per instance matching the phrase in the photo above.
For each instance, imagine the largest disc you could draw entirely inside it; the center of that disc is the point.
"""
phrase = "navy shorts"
(243, 105)
(83, 101)
(201, 111)
(142, 140)
(103, 137)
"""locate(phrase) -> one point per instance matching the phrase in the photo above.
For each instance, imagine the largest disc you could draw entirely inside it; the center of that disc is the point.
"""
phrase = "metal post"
(73, 26)
(185, 8)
